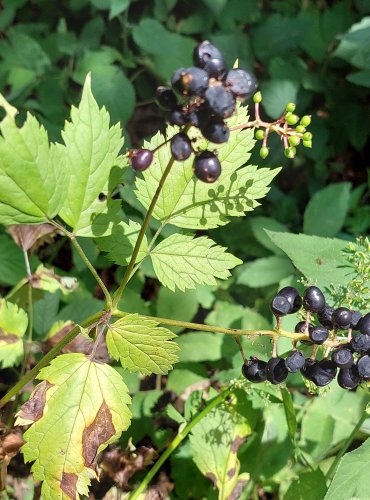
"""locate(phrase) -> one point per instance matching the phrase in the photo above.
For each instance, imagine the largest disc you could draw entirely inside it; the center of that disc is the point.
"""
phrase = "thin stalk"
(237, 340)
(177, 441)
(48, 357)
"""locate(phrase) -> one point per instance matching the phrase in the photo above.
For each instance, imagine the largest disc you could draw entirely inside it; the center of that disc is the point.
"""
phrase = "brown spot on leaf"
(9, 338)
(69, 484)
(212, 477)
(237, 491)
(33, 409)
(236, 443)
(32, 236)
(319, 261)
(97, 433)
(231, 472)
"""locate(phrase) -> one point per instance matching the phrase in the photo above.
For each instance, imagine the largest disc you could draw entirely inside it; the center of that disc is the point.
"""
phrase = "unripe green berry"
(300, 129)
(307, 144)
(257, 98)
(294, 140)
(307, 136)
(264, 152)
(290, 107)
(305, 120)
(291, 119)
(259, 134)
(290, 152)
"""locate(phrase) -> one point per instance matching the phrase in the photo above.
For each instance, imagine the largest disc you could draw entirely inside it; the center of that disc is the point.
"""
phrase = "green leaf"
(351, 478)
(13, 325)
(289, 414)
(140, 345)
(32, 174)
(321, 260)
(265, 271)
(354, 45)
(78, 409)
(190, 203)
(177, 305)
(310, 485)
(360, 78)
(276, 95)
(174, 414)
(117, 7)
(92, 149)
(12, 265)
(183, 261)
(259, 224)
(200, 346)
(327, 210)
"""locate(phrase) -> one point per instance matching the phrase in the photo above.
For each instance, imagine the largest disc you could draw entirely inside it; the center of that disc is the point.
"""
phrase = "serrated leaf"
(92, 152)
(140, 345)
(183, 261)
(13, 325)
(119, 245)
(190, 203)
(78, 409)
(32, 174)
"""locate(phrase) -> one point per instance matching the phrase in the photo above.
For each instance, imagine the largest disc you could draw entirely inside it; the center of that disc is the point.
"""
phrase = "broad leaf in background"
(321, 260)
(92, 153)
(200, 346)
(32, 174)
(310, 485)
(190, 203)
(327, 210)
(140, 345)
(265, 271)
(13, 325)
(259, 224)
(12, 264)
(183, 261)
(78, 409)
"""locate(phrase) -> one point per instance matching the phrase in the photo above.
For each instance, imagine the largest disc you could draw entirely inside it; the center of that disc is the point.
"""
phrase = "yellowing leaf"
(13, 325)
(141, 345)
(78, 409)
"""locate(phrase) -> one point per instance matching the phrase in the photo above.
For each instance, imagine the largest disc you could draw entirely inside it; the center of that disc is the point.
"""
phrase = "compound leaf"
(187, 202)
(78, 409)
(13, 325)
(183, 261)
(141, 345)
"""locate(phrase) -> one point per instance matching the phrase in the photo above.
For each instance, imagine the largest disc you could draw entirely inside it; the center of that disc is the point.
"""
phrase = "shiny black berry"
(280, 306)
(323, 372)
(363, 366)
(348, 378)
(342, 318)
(313, 299)
(210, 58)
(255, 370)
(141, 159)
(177, 117)
(276, 371)
(326, 317)
(216, 131)
(181, 147)
(318, 334)
(292, 296)
(220, 101)
(241, 83)
(307, 368)
(342, 358)
(207, 167)
(360, 343)
(295, 361)
(303, 327)
(364, 324)
(355, 321)
(190, 81)
(166, 98)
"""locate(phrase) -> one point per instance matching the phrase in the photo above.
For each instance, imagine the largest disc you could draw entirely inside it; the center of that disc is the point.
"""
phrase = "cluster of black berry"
(203, 96)
(349, 354)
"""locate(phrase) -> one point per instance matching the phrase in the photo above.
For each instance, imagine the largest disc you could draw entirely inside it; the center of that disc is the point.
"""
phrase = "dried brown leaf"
(32, 236)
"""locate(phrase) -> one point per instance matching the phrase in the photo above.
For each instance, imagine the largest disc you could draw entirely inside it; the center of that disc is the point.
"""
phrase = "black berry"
(323, 372)
(255, 370)
(356, 318)
(166, 98)
(292, 296)
(342, 318)
(313, 299)
(364, 324)
(303, 327)
(342, 358)
(177, 117)
(141, 159)
(276, 371)
(318, 334)
(295, 361)
(220, 101)
(326, 317)
(360, 343)
(210, 58)
(363, 366)
(307, 368)
(207, 167)
(280, 306)
(190, 81)
(181, 147)
(216, 131)
(348, 378)
(241, 83)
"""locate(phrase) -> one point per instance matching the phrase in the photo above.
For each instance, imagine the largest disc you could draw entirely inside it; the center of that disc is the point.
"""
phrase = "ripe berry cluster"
(349, 354)
(203, 96)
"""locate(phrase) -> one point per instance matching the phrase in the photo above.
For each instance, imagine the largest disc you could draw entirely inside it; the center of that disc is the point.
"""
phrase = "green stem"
(177, 441)
(48, 357)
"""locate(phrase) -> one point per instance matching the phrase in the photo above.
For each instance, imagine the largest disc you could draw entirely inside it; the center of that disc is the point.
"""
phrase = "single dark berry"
(166, 98)
(178, 117)
(342, 358)
(295, 361)
(292, 296)
(360, 343)
(307, 368)
(141, 159)
(356, 318)
(280, 306)
(323, 372)
(216, 131)
(326, 317)
(207, 167)
(255, 370)
(220, 101)
(276, 371)
(363, 366)
(181, 147)
(313, 299)
(342, 318)
(303, 327)
(199, 117)
(364, 324)
(318, 334)
(190, 81)
(241, 83)
(210, 58)
(348, 378)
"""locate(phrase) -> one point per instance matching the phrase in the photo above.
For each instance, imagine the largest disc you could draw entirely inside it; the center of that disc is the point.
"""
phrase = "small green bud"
(291, 119)
(305, 120)
(290, 152)
(300, 129)
(290, 107)
(294, 140)
(307, 144)
(259, 134)
(264, 152)
(257, 98)
(307, 136)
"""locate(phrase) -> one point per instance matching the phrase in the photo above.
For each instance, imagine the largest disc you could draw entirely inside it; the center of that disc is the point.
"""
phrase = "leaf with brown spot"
(32, 236)
(85, 410)
(13, 325)
(32, 410)
(46, 279)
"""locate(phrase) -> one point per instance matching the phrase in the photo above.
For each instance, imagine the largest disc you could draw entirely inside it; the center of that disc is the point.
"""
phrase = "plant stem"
(177, 441)
(48, 357)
